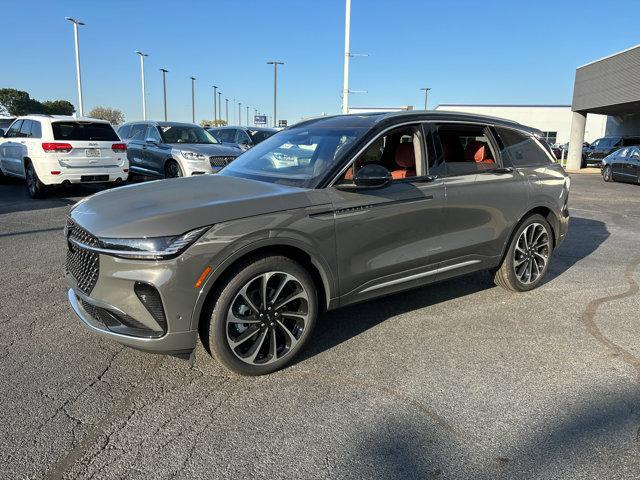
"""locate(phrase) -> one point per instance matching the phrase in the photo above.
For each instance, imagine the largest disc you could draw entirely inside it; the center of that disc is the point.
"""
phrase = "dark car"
(375, 204)
(172, 149)
(594, 153)
(622, 165)
(242, 137)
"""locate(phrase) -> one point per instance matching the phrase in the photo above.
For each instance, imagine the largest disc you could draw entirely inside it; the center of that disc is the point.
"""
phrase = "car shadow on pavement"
(586, 436)
(334, 327)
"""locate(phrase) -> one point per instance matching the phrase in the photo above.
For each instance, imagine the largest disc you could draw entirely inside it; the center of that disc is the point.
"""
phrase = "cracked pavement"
(455, 380)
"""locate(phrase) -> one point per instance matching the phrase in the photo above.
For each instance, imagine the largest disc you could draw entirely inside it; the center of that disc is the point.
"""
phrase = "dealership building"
(554, 121)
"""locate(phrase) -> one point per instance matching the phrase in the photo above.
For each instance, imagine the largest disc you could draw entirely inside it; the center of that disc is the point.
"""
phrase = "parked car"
(172, 149)
(622, 165)
(242, 137)
(49, 150)
(594, 153)
(249, 257)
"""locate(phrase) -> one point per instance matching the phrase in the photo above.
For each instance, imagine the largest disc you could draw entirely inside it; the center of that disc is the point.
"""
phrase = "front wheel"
(35, 187)
(527, 260)
(263, 315)
(172, 169)
(606, 174)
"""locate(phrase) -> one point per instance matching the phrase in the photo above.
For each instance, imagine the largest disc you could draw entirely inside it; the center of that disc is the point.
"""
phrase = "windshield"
(298, 156)
(260, 135)
(185, 134)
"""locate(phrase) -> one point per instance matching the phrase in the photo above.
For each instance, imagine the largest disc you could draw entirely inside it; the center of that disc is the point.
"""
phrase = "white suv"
(53, 150)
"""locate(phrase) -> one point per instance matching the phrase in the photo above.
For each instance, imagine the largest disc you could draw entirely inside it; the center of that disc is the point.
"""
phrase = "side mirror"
(151, 140)
(372, 175)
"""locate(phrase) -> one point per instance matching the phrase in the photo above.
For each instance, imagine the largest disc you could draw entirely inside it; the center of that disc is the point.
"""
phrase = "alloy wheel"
(31, 180)
(531, 254)
(173, 170)
(267, 317)
(607, 173)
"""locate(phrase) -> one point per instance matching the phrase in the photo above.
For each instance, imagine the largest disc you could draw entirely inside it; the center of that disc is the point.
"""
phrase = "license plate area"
(94, 178)
(92, 152)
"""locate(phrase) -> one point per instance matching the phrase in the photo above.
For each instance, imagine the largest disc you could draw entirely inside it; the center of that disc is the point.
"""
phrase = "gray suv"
(324, 214)
(172, 149)
(241, 137)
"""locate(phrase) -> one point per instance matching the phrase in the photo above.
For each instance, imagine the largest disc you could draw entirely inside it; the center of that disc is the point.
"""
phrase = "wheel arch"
(548, 214)
(317, 268)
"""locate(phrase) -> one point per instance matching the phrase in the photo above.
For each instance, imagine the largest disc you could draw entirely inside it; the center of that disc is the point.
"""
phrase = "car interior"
(462, 149)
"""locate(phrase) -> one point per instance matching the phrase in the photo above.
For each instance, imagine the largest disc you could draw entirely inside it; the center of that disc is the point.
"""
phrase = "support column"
(576, 139)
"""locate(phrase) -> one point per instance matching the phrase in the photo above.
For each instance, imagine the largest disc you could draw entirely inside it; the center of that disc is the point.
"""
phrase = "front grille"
(119, 322)
(82, 264)
(220, 161)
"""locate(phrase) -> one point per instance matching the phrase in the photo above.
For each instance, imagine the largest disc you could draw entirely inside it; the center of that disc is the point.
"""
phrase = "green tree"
(17, 102)
(112, 115)
(58, 107)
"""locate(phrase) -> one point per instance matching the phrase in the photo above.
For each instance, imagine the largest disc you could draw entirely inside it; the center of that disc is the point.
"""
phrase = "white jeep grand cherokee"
(53, 150)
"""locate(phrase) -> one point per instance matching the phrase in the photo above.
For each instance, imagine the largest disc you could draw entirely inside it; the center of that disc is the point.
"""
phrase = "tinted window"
(260, 135)
(138, 131)
(25, 129)
(14, 131)
(461, 150)
(84, 131)
(152, 132)
(124, 132)
(521, 150)
(227, 135)
(242, 137)
(631, 141)
(36, 129)
(185, 134)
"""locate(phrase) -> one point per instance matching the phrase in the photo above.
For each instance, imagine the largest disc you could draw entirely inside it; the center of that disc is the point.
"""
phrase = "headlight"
(192, 155)
(155, 248)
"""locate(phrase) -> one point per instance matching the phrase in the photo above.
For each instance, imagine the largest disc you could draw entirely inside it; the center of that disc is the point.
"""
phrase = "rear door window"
(124, 132)
(461, 150)
(14, 131)
(138, 131)
(152, 132)
(520, 149)
(242, 137)
(227, 135)
(25, 129)
(84, 131)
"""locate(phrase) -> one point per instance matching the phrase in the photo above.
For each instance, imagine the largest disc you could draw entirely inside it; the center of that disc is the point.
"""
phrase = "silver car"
(364, 206)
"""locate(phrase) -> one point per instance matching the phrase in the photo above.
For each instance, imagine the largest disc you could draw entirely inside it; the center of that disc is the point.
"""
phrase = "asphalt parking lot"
(456, 380)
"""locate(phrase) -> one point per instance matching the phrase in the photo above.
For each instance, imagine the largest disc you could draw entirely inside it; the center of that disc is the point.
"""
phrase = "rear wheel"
(527, 260)
(263, 316)
(35, 187)
(606, 174)
(172, 169)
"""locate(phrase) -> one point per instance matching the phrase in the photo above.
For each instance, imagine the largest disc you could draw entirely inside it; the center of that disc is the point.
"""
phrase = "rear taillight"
(119, 147)
(57, 147)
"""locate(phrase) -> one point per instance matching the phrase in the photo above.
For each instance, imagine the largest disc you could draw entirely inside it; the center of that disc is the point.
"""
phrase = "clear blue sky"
(466, 51)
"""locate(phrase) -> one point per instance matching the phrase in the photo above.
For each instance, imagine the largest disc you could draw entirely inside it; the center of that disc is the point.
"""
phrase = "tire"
(172, 170)
(35, 187)
(606, 174)
(290, 324)
(520, 257)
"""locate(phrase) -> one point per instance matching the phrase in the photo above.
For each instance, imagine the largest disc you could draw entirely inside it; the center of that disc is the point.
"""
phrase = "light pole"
(220, 104)
(234, 110)
(78, 77)
(255, 113)
(164, 90)
(193, 99)
(347, 57)
(144, 98)
(240, 113)
(226, 109)
(275, 64)
(247, 119)
(426, 94)
(215, 100)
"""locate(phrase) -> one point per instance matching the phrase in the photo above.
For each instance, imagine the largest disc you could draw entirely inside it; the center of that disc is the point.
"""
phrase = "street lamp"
(220, 104)
(78, 77)
(426, 94)
(144, 99)
(247, 119)
(164, 90)
(215, 100)
(240, 113)
(275, 64)
(226, 109)
(193, 99)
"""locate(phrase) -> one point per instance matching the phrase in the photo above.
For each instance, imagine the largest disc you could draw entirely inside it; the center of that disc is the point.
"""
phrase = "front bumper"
(174, 343)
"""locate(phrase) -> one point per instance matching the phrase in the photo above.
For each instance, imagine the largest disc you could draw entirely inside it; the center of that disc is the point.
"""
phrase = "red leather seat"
(478, 152)
(406, 161)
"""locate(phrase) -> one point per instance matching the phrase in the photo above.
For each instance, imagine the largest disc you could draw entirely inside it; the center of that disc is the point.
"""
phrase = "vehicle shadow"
(334, 327)
(397, 447)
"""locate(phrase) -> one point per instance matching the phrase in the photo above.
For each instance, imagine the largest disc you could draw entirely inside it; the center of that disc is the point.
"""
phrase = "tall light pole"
(220, 104)
(255, 113)
(347, 57)
(247, 119)
(215, 100)
(144, 98)
(234, 110)
(78, 77)
(164, 90)
(275, 87)
(426, 94)
(193, 99)
(240, 113)
(226, 109)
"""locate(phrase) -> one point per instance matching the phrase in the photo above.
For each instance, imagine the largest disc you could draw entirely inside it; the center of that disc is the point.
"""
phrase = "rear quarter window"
(521, 150)
(84, 131)
(124, 131)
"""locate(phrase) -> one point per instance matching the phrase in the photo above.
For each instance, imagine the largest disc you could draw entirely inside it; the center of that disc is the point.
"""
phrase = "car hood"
(175, 206)
(212, 149)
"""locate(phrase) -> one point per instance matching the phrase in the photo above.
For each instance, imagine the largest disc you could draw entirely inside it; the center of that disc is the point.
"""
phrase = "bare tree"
(112, 115)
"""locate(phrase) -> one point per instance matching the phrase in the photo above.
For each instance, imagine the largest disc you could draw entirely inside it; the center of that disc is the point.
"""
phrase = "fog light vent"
(150, 298)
